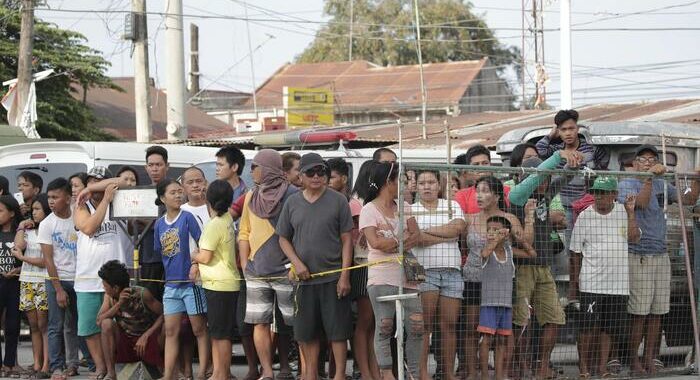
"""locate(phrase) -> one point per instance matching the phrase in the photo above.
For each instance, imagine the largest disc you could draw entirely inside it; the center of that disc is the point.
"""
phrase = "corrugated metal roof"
(487, 127)
(362, 85)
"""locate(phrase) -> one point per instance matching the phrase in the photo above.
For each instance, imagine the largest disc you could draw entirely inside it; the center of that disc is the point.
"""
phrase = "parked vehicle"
(682, 154)
(61, 159)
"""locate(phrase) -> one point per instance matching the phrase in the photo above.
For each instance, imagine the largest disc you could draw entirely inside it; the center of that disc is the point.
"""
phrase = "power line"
(287, 21)
(648, 11)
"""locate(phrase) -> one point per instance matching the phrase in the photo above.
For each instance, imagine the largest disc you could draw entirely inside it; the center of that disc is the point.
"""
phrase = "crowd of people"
(299, 261)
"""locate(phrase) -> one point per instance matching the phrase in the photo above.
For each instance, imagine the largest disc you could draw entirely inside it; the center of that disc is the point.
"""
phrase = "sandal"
(58, 375)
(658, 364)
(285, 376)
(614, 366)
(39, 375)
(584, 376)
(70, 372)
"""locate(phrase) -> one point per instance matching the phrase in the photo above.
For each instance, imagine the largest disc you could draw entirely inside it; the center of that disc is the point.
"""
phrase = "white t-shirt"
(602, 240)
(30, 272)
(201, 213)
(443, 255)
(110, 242)
(61, 234)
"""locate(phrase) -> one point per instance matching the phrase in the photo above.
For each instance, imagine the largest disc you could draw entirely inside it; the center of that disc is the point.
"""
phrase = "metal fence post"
(688, 271)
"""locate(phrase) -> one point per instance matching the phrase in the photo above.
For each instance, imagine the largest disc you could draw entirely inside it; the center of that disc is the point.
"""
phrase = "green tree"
(77, 67)
(384, 33)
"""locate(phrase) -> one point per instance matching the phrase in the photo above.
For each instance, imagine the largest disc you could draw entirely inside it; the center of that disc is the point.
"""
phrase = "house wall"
(487, 92)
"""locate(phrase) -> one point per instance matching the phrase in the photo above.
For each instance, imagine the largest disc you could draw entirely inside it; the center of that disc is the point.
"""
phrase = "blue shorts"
(89, 305)
(447, 282)
(496, 320)
(189, 299)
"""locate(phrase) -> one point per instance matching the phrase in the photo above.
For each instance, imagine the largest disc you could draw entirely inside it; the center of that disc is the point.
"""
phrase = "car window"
(209, 169)
(671, 160)
(47, 171)
(143, 180)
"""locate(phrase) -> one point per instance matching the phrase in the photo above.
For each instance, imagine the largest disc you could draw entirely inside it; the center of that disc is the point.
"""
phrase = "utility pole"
(252, 63)
(175, 64)
(423, 95)
(533, 63)
(194, 60)
(144, 131)
(24, 61)
(352, 6)
(565, 53)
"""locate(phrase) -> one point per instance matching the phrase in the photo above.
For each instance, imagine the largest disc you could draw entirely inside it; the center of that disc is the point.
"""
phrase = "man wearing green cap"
(599, 245)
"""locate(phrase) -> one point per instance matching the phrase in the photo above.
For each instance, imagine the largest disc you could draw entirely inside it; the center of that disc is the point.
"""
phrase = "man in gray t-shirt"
(314, 230)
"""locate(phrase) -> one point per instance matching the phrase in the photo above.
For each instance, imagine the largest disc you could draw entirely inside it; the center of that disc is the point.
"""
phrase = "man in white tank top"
(100, 240)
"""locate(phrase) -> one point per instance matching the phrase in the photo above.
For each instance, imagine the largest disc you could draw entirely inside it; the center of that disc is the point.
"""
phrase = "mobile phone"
(19, 197)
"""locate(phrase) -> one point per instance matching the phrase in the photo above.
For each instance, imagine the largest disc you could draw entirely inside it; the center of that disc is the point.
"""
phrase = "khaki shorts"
(650, 284)
(534, 286)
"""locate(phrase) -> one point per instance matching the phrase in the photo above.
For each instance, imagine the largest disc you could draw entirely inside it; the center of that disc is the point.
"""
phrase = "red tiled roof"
(361, 84)
(115, 112)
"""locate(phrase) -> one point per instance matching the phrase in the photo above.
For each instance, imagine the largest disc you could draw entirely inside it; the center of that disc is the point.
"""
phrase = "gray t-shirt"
(314, 230)
(497, 280)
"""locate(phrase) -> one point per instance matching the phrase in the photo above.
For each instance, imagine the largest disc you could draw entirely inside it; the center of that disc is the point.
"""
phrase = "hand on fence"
(530, 207)
(658, 169)
(630, 203)
(573, 158)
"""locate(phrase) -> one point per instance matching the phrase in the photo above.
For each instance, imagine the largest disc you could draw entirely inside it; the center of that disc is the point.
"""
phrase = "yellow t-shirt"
(221, 273)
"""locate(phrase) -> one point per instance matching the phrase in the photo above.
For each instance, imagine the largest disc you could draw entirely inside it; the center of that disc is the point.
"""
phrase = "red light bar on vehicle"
(304, 137)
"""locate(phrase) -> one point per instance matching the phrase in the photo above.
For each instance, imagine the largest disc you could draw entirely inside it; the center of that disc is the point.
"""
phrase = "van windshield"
(47, 171)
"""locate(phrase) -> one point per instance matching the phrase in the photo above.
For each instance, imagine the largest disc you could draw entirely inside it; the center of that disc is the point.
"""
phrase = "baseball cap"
(309, 161)
(646, 148)
(604, 184)
(99, 172)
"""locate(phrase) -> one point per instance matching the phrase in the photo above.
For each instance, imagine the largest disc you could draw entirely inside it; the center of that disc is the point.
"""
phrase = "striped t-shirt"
(594, 157)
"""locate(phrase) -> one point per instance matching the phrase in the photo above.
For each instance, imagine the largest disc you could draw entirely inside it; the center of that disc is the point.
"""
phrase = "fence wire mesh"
(545, 273)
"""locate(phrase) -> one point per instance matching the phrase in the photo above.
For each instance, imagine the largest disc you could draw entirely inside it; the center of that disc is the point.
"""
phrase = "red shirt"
(467, 199)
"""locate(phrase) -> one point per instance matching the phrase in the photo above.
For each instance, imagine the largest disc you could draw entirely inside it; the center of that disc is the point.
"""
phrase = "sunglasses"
(315, 171)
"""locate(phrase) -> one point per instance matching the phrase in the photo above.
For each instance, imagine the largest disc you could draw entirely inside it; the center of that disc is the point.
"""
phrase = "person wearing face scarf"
(261, 256)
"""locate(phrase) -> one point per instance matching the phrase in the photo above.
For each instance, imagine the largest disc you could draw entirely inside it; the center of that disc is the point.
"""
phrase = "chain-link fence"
(536, 272)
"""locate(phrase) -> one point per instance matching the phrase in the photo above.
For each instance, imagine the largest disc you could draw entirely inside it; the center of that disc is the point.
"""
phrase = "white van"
(62, 159)
(354, 157)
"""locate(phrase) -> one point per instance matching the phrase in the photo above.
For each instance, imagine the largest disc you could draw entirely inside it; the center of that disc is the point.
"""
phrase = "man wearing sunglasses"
(315, 233)
(649, 263)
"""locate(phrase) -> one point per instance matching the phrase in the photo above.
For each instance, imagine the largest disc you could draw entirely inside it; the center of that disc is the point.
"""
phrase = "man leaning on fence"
(530, 202)
(650, 266)
(599, 246)
(565, 136)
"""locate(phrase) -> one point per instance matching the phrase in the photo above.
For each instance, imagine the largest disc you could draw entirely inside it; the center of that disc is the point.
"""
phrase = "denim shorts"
(186, 299)
(447, 281)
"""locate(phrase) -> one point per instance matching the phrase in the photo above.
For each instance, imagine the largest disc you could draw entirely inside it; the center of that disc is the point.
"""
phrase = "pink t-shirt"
(467, 199)
(388, 273)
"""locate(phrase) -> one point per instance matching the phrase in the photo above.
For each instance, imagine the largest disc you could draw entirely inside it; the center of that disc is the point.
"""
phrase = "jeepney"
(681, 148)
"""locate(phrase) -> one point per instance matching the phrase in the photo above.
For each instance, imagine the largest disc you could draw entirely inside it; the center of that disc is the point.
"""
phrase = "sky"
(623, 51)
